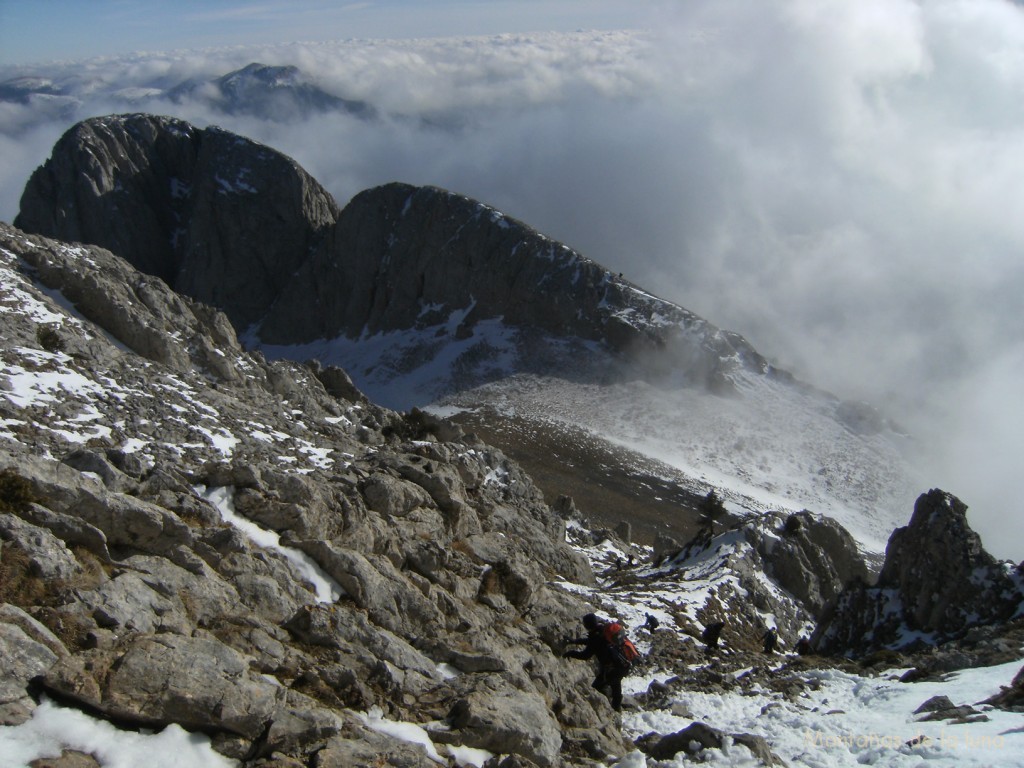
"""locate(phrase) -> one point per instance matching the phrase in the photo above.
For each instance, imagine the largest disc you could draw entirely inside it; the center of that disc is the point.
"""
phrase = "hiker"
(769, 640)
(803, 646)
(652, 623)
(610, 669)
(710, 636)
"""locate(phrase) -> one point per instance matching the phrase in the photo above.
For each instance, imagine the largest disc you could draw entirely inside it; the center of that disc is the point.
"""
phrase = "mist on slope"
(834, 181)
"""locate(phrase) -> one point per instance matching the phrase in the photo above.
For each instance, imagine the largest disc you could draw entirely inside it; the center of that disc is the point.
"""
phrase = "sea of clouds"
(838, 182)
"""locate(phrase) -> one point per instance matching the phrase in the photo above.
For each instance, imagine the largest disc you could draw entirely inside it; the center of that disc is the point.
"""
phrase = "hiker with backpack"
(606, 641)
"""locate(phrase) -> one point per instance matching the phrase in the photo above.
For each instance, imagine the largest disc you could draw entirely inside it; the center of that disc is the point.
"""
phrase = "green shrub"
(16, 492)
(50, 339)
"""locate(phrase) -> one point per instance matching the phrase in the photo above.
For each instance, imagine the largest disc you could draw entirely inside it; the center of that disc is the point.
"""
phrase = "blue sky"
(33, 31)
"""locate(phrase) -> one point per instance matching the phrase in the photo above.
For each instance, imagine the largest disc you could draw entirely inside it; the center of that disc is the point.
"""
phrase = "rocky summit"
(196, 538)
(240, 226)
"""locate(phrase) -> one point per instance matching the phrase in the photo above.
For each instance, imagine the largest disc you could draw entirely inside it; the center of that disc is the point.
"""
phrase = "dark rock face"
(217, 217)
(813, 558)
(236, 225)
(936, 583)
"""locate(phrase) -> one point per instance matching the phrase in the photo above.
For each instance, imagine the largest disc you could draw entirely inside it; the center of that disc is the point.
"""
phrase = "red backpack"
(622, 650)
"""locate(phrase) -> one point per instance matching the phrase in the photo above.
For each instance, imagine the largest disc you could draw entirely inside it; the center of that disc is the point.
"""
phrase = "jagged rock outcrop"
(936, 583)
(768, 570)
(219, 218)
(236, 225)
(810, 556)
(231, 547)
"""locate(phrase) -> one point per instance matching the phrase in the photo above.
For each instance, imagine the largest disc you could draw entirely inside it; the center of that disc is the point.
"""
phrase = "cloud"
(838, 182)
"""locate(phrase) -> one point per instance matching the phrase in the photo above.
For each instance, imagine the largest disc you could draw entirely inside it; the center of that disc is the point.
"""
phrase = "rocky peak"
(937, 582)
(219, 218)
(239, 226)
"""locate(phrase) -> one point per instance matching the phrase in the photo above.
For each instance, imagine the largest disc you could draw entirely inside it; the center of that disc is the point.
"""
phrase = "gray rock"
(511, 722)
(394, 497)
(24, 657)
(364, 746)
(127, 604)
(692, 739)
(186, 192)
(197, 682)
(391, 600)
(937, 581)
(50, 558)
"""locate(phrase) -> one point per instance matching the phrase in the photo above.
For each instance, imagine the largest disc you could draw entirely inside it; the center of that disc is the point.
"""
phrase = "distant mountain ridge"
(280, 93)
(429, 298)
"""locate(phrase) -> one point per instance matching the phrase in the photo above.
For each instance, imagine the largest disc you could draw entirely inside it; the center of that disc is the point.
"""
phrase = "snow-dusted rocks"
(252, 557)
(937, 582)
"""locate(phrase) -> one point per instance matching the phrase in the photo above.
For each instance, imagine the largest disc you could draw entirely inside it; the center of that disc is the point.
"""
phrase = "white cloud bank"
(839, 182)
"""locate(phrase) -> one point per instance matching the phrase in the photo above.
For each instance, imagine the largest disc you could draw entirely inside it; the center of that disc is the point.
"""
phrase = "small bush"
(16, 492)
(50, 339)
(711, 510)
(20, 580)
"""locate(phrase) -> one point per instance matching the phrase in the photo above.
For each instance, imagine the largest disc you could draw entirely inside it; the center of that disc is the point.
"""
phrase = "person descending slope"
(606, 641)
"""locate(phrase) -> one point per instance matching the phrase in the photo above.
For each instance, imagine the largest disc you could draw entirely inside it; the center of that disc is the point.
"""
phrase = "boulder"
(154, 680)
(494, 716)
(28, 650)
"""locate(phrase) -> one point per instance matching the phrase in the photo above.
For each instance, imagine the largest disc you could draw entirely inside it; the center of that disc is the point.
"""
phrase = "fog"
(838, 182)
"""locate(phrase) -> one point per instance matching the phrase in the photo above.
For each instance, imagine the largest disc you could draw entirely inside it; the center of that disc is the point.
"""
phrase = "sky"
(50, 30)
(838, 182)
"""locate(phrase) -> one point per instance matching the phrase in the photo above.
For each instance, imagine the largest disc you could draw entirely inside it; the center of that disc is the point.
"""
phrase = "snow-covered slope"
(810, 711)
(60, 393)
(771, 445)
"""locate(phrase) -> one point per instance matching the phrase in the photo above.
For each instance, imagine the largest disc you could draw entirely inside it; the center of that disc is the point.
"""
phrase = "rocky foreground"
(128, 594)
(253, 551)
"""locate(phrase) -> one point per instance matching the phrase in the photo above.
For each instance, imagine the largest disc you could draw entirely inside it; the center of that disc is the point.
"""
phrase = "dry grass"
(16, 492)
(609, 484)
(20, 581)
